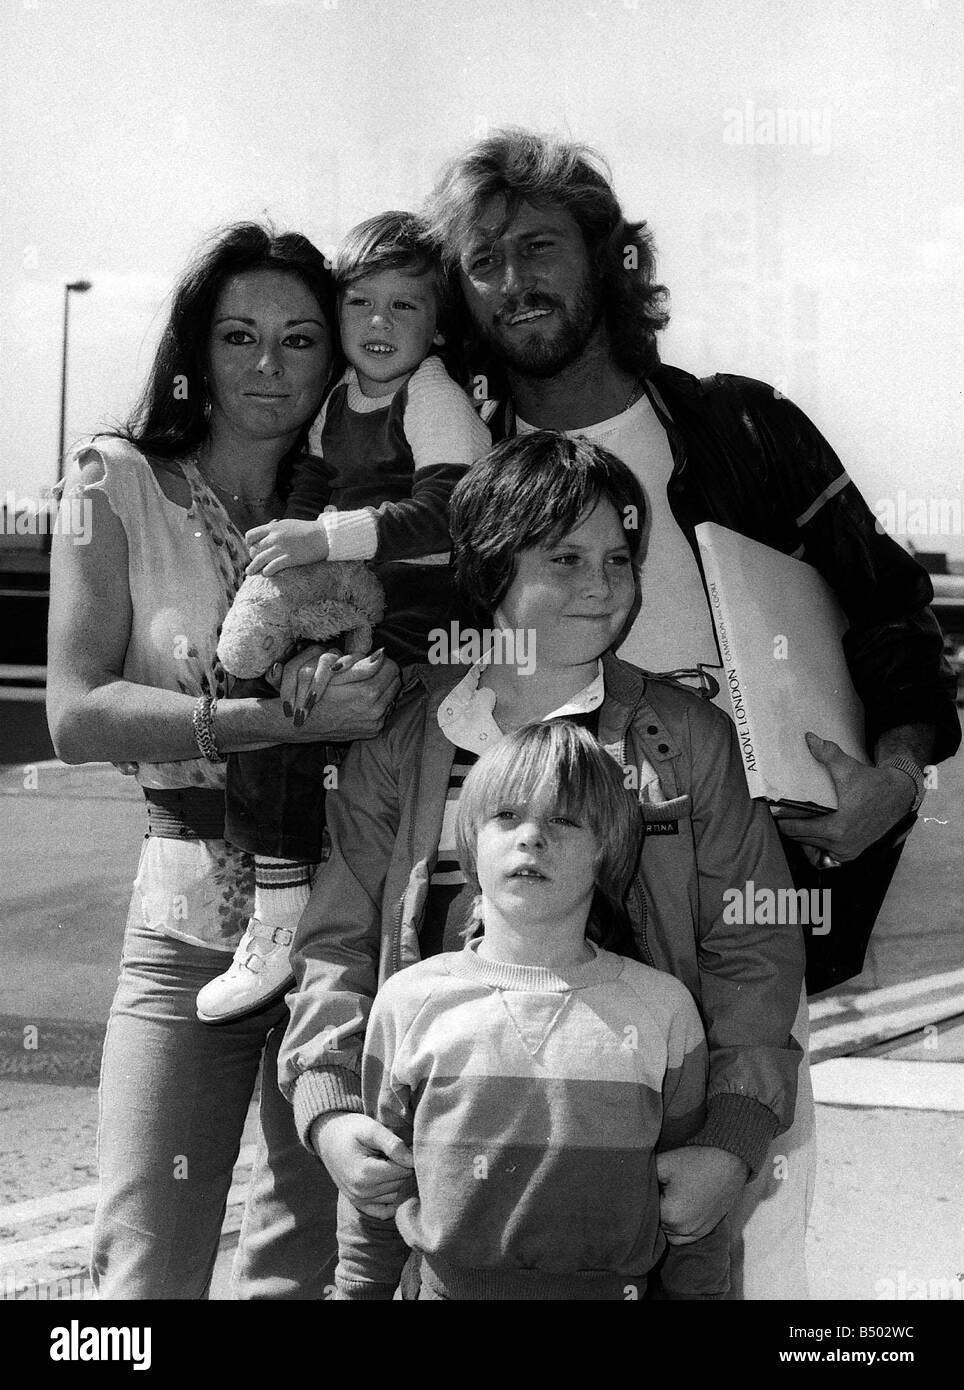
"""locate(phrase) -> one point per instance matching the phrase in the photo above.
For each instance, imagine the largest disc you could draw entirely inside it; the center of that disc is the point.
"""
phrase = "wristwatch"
(904, 763)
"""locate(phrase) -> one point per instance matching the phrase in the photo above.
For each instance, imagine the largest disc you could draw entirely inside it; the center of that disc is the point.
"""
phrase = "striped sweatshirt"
(535, 1102)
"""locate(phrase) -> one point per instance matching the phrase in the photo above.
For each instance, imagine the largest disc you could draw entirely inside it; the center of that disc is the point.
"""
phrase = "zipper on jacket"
(643, 919)
(396, 958)
(637, 885)
(396, 954)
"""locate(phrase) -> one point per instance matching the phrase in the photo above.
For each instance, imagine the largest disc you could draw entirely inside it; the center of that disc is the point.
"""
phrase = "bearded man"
(564, 310)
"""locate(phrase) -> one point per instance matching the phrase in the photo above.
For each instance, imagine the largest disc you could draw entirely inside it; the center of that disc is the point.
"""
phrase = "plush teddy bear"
(316, 601)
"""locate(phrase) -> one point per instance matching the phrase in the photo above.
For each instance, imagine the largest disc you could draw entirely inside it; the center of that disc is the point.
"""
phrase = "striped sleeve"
(700, 1269)
(684, 1084)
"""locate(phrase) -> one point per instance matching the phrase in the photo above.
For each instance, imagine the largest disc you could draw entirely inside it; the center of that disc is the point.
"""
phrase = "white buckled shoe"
(257, 975)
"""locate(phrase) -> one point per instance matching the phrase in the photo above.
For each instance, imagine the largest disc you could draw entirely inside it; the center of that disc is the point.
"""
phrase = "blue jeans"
(174, 1097)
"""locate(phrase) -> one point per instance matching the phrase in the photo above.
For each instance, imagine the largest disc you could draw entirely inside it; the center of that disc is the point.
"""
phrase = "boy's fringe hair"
(398, 240)
(531, 490)
(390, 241)
(559, 764)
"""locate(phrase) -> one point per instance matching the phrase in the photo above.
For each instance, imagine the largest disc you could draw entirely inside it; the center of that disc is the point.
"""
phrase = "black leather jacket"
(748, 458)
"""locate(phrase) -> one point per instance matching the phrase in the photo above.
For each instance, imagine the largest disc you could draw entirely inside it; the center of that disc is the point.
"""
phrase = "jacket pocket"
(664, 817)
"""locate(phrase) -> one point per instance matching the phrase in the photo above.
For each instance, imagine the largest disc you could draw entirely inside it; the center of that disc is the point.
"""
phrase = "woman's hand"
(326, 695)
(368, 1163)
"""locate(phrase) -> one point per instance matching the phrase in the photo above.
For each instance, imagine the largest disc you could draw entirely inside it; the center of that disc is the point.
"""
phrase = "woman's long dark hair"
(169, 419)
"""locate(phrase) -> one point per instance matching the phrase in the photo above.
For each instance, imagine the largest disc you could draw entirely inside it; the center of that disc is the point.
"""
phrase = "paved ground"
(890, 1192)
(889, 1198)
(70, 837)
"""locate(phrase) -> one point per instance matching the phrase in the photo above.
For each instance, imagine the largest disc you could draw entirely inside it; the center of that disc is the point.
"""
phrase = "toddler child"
(533, 1074)
(391, 440)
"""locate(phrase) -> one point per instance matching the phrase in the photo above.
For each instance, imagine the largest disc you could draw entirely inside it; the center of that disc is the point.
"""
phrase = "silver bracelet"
(202, 719)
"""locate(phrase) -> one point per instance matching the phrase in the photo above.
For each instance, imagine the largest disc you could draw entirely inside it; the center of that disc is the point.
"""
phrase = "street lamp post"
(79, 287)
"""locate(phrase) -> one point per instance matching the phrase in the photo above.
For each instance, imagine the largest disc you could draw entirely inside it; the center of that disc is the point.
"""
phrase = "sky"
(800, 165)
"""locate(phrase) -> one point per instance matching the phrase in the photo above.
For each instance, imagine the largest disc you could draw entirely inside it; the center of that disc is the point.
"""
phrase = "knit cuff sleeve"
(354, 1291)
(740, 1125)
(351, 535)
(324, 1092)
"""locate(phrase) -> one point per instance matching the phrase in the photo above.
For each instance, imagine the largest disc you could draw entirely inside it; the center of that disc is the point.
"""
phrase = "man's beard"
(544, 356)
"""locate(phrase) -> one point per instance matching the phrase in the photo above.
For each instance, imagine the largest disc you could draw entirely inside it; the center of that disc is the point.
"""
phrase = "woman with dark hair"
(172, 417)
(133, 679)
(546, 531)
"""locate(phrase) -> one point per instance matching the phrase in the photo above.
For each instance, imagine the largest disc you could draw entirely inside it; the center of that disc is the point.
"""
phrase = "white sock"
(282, 888)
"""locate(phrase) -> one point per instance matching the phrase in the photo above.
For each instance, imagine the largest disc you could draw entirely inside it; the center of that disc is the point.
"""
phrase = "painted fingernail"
(310, 703)
(299, 718)
(286, 707)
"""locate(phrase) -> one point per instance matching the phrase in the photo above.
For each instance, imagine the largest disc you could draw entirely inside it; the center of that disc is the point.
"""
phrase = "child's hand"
(280, 544)
(698, 1186)
(368, 1163)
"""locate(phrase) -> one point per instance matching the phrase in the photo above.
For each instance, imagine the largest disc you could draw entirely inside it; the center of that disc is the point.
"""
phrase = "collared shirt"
(466, 717)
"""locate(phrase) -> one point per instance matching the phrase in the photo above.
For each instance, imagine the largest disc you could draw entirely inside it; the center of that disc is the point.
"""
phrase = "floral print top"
(184, 568)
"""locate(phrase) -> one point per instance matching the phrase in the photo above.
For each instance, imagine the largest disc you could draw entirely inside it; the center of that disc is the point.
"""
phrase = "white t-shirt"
(673, 629)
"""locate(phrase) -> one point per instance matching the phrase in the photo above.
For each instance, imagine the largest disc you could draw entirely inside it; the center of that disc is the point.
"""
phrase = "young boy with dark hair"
(389, 444)
(534, 1075)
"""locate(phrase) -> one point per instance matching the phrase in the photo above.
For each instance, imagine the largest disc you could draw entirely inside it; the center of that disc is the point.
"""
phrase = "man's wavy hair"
(522, 166)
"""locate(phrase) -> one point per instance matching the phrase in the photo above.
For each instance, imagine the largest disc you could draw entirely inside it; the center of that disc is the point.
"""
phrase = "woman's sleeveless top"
(184, 568)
